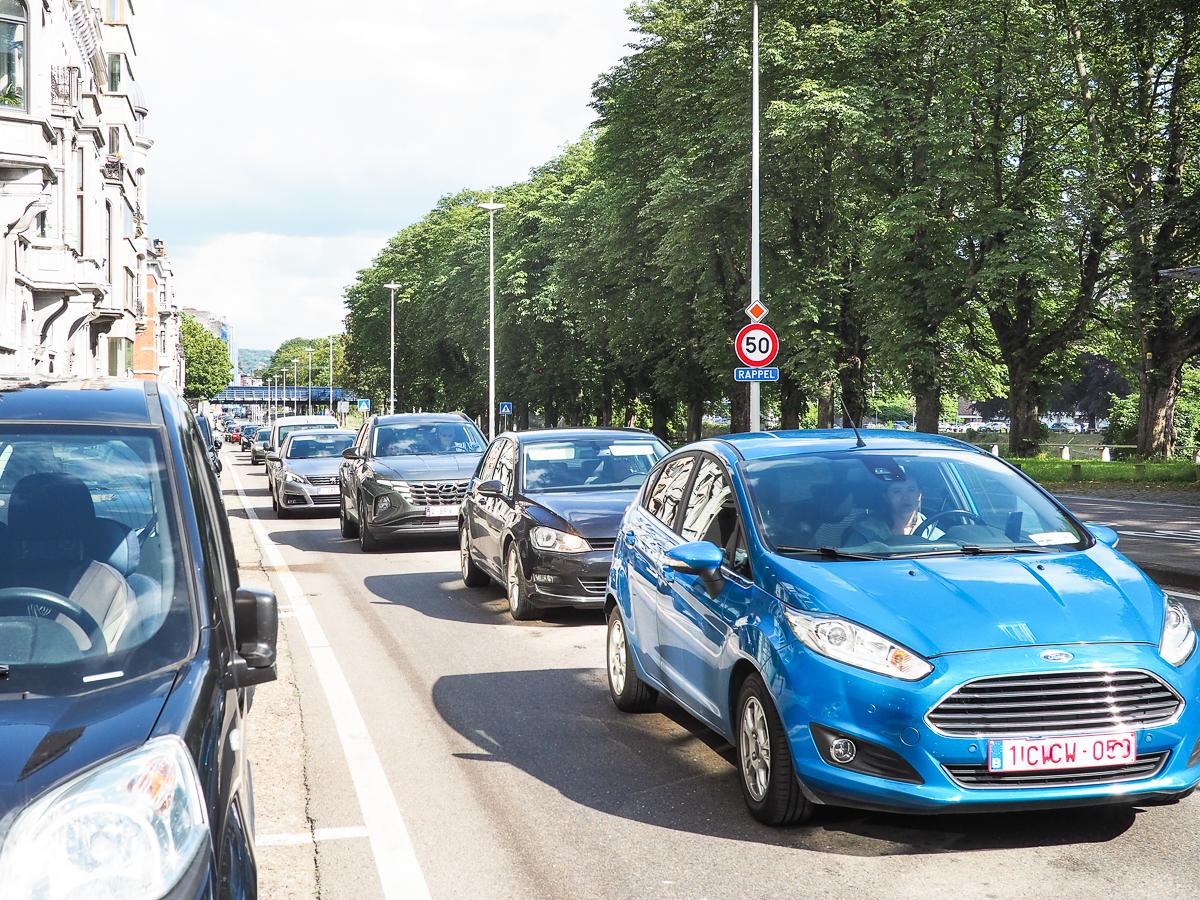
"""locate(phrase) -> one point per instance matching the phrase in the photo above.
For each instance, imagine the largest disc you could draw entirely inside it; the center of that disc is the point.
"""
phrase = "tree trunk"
(551, 415)
(660, 411)
(1156, 410)
(739, 409)
(825, 402)
(852, 362)
(522, 411)
(695, 419)
(605, 415)
(791, 403)
(929, 400)
(1023, 413)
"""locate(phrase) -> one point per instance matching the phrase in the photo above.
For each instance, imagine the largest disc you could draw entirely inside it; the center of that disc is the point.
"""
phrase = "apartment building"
(84, 290)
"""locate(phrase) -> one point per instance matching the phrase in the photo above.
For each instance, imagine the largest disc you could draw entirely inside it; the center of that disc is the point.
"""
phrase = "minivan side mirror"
(351, 453)
(256, 632)
(1104, 534)
(493, 488)
(272, 457)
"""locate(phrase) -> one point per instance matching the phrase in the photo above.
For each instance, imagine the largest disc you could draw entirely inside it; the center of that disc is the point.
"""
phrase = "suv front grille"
(437, 493)
(981, 777)
(1055, 703)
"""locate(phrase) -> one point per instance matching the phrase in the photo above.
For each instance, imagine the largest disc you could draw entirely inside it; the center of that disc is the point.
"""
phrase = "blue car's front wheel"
(625, 685)
(768, 775)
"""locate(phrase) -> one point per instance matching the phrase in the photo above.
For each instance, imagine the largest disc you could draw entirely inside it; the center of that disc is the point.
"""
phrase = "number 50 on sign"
(757, 345)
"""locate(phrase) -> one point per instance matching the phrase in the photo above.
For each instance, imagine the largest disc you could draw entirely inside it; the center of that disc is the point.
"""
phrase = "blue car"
(898, 622)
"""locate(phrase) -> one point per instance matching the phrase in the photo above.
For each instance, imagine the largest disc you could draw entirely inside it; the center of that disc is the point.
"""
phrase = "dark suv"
(128, 651)
(407, 474)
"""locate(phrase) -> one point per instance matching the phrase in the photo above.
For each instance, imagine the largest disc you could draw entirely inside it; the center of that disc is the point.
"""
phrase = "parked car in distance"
(542, 513)
(258, 446)
(306, 477)
(912, 625)
(234, 434)
(407, 474)
(129, 650)
(212, 442)
(284, 425)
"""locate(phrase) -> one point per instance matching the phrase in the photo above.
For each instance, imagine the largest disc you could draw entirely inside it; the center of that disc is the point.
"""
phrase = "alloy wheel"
(464, 553)
(617, 655)
(513, 582)
(754, 749)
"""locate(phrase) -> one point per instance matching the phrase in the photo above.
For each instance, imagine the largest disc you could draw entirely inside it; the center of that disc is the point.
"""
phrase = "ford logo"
(1057, 656)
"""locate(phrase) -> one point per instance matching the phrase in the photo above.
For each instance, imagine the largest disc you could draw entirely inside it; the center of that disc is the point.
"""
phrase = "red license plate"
(1081, 751)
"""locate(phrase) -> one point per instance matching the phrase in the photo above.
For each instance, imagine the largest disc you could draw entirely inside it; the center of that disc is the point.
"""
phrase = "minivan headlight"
(1178, 636)
(544, 538)
(128, 828)
(856, 646)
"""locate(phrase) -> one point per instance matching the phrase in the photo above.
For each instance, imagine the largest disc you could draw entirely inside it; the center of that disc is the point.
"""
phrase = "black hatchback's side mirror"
(493, 488)
(351, 453)
(256, 632)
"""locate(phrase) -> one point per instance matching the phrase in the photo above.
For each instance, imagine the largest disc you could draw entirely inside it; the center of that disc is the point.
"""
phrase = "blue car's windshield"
(875, 504)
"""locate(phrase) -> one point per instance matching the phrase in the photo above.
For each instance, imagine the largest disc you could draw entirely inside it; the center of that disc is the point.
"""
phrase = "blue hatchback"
(899, 623)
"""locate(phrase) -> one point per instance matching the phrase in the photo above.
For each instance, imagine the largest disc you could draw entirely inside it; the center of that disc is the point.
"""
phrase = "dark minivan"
(128, 651)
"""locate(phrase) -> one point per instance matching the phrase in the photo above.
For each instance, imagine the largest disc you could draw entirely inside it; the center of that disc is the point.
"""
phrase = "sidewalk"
(278, 747)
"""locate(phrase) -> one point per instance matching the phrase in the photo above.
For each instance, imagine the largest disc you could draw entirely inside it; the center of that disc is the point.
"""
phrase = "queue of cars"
(885, 620)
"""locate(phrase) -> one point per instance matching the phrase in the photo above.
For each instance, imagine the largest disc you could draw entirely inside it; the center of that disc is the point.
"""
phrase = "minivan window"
(93, 576)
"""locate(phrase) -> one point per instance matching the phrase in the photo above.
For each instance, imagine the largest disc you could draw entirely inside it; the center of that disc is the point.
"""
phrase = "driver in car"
(900, 512)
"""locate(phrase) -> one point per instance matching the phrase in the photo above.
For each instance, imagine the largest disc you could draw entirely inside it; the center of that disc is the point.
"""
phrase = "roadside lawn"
(1179, 474)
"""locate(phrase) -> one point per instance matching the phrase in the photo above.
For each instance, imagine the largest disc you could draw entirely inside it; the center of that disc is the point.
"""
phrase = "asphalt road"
(1162, 538)
(506, 771)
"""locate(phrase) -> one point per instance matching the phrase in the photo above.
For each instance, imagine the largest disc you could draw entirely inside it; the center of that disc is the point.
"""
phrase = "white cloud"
(271, 286)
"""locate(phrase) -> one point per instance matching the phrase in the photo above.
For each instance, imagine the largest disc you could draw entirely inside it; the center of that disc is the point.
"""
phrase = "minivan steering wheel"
(963, 514)
(33, 596)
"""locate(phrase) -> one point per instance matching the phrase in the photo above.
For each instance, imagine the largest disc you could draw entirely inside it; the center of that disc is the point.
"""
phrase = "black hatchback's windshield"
(869, 503)
(92, 574)
(593, 462)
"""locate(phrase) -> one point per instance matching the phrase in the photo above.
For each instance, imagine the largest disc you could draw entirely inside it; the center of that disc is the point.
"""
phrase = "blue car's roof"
(113, 402)
(771, 444)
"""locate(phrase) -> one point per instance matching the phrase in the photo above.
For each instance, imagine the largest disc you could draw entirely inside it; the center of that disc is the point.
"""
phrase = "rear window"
(285, 430)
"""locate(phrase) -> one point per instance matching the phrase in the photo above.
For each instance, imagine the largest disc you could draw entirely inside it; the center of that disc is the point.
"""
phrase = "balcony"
(114, 169)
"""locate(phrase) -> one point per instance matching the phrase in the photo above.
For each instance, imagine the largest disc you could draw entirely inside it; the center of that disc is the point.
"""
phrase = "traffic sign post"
(506, 409)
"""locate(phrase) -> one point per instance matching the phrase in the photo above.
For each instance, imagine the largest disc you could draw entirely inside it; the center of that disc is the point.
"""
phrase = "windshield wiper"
(828, 552)
(976, 550)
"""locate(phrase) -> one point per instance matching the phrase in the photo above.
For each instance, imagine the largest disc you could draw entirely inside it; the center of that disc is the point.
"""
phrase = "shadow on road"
(666, 769)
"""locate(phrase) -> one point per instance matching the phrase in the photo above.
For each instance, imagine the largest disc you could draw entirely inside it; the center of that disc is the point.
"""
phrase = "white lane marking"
(300, 838)
(399, 871)
(1195, 507)
(1184, 536)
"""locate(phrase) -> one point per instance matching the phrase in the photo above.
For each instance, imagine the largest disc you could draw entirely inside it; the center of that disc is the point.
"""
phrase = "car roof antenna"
(850, 419)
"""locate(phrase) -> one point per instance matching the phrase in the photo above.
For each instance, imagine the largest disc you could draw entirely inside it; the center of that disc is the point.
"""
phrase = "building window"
(108, 225)
(130, 291)
(114, 73)
(127, 211)
(114, 141)
(13, 27)
(41, 225)
(81, 223)
(114, 11)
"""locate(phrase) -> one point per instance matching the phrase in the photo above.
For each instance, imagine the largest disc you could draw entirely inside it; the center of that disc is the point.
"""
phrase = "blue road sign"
(745, 373)
(364, 405)
(506, 409)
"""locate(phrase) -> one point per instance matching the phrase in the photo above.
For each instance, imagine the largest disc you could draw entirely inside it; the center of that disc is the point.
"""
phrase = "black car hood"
(594, 514)
(45, 740)
(448, 466)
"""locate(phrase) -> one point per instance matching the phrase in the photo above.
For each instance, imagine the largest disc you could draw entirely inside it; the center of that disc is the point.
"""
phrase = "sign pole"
(755, 387)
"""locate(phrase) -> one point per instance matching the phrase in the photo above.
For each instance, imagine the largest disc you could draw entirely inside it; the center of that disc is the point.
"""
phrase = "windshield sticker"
(545, 454)
(1048, 538)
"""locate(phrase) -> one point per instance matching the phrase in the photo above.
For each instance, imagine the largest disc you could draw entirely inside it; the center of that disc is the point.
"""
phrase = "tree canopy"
(207, 366)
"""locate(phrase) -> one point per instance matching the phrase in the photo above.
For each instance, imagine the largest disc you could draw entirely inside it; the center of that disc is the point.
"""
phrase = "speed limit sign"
(757, 345)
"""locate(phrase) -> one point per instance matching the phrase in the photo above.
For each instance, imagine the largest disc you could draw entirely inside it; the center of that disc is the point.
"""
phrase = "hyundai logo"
(1057, 656)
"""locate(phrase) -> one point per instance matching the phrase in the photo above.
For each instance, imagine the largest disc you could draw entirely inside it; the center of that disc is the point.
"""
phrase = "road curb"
(1173, 577)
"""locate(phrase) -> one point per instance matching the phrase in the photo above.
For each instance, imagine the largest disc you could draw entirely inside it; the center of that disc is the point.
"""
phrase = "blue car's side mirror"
(1104, 534)
(696, 558)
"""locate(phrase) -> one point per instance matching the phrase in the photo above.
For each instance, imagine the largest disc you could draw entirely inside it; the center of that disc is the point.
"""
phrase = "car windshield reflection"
(589, 463)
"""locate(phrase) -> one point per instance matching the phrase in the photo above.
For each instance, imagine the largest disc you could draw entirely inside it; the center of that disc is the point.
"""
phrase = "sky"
(292, 141)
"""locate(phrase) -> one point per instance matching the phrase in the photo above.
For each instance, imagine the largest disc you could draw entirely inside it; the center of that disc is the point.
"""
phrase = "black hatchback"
(542, 512)
(128, 651)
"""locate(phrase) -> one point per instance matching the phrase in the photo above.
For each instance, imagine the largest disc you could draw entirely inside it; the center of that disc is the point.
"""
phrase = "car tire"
(349, 529)
(472, 575)
(514, 585)
(764, 759)
(282, 511)
(629, 693)
(367, 542)
(274, 502)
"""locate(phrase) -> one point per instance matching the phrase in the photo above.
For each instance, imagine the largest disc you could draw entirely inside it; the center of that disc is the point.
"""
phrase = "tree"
(206, 358)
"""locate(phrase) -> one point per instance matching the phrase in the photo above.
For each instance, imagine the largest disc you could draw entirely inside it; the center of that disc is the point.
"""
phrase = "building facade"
(83, 289)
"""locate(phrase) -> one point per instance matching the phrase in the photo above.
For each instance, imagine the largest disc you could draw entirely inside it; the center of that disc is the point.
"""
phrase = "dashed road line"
(301, 838)
(399, 871)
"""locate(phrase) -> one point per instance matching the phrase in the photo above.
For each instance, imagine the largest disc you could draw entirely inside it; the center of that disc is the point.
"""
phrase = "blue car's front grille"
(1054, 703)
(981, 777)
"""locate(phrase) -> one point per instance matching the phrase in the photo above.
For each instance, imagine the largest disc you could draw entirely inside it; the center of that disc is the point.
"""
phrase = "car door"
(696, 614)
(650, 534)
(495, 513)
(473, 512)
(348, 473)
(360, 467)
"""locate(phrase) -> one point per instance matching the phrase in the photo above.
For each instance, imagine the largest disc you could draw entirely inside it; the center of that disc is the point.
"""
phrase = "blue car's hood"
(47, 739)
(950, 604)
(594, 513)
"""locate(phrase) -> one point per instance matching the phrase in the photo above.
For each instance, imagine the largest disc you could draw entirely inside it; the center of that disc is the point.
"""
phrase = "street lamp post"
(755, 388)
(492, 208)
(296, 382)
(283, 381)
(393, 287)
(311, 350)
(331, 374)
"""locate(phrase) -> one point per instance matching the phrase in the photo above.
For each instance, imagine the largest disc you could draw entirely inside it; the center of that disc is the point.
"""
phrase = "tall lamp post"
(331, 374)
(492, 208)
(283, 381)
(310, 350)
(393, 287)
(755, 387)
(296, 382)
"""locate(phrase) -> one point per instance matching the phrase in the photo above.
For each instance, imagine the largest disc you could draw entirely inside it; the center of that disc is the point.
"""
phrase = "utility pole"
(392, 286)
(492, 208)
(755, 387)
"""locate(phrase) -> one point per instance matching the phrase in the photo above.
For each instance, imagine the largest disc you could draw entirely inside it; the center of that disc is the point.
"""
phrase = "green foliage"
(1123, 418)
(295, 350)
(206, 360)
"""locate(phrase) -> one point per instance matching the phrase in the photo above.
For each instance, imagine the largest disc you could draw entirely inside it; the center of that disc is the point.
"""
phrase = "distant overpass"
(236, 393)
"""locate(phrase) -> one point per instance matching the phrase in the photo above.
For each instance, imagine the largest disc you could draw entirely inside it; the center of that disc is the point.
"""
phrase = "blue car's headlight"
(856, 646)
(1178, 636)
